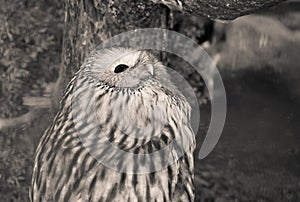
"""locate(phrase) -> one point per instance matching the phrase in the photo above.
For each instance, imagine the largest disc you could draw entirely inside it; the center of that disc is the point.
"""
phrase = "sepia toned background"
(258, 155)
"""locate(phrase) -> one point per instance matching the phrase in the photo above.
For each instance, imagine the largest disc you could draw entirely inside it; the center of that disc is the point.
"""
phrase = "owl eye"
(120, 68)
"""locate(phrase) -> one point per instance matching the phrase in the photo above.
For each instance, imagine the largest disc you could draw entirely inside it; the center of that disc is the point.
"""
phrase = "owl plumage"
(120, 100)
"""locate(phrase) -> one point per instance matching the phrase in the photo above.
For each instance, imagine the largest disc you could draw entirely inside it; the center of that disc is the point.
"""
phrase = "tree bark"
(90, 22)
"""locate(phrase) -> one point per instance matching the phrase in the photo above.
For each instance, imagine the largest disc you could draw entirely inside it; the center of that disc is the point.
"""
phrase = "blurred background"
(258, 155)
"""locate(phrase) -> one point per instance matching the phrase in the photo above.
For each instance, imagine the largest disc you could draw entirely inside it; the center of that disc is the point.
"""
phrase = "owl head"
(127, 68)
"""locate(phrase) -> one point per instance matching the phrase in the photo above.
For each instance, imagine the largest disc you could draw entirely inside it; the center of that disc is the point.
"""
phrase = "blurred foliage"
(30, 43)
(15, 172)
(30, 57)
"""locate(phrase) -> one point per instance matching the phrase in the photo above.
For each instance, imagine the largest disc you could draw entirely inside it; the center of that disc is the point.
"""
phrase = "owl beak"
(151, 69)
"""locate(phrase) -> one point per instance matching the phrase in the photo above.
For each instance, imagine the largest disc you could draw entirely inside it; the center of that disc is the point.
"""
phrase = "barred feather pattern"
(66, 170)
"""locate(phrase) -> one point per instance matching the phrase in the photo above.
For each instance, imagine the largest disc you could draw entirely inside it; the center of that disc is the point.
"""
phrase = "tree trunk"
(90, 22)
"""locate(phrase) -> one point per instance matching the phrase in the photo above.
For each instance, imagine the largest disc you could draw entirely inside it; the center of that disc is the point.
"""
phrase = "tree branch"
(38, 105)
(222, 10)
(18, 121)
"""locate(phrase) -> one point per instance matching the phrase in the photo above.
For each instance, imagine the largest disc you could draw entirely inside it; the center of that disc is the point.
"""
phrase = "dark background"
(258, 155)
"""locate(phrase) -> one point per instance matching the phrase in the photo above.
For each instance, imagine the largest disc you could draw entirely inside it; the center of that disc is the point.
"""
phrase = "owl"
(122, 133)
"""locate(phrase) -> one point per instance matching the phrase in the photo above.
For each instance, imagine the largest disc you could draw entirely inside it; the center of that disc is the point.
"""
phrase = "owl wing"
(184, 189)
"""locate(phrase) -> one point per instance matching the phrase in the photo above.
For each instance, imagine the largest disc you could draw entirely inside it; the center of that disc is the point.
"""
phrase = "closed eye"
(120, 68)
